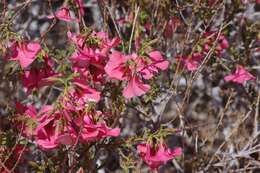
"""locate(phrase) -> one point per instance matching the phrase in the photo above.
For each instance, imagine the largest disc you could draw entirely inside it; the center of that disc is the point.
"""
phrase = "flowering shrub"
(129, 86)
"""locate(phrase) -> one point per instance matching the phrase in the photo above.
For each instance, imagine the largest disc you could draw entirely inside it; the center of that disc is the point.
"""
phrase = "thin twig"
(133, 29)
(256, 115)
(117, 28)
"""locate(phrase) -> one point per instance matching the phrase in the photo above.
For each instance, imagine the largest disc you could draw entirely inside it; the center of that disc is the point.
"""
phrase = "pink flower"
(77, 39)
(92, 53)
(124, 20)
(50, 132)
(155, 156)
(90, 60)
(24, 52)
(135, 87)
(222, 42)
(133, 68)
(240, 76)
(27, 115)
(47, 133)
(27, 110)
(123, 67)
(38, 77)
(72, 102)
(82, 58)
(150, 66)
(63, 14)
(106, 43)
(116, 66)
(191, 63)
(67, 137)
(148, 27)
(30, 117)
(86, 93)
(80, 170)
(93, 130)
(78, 97)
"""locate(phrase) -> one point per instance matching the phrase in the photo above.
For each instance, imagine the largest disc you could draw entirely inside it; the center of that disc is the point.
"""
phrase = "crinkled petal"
(135, 87)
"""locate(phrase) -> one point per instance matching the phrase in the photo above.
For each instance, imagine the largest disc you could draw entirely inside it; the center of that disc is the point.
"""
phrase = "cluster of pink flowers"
(54, 127)
(192, 62)
(74, 118)
(93, 59)
(94, 63)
